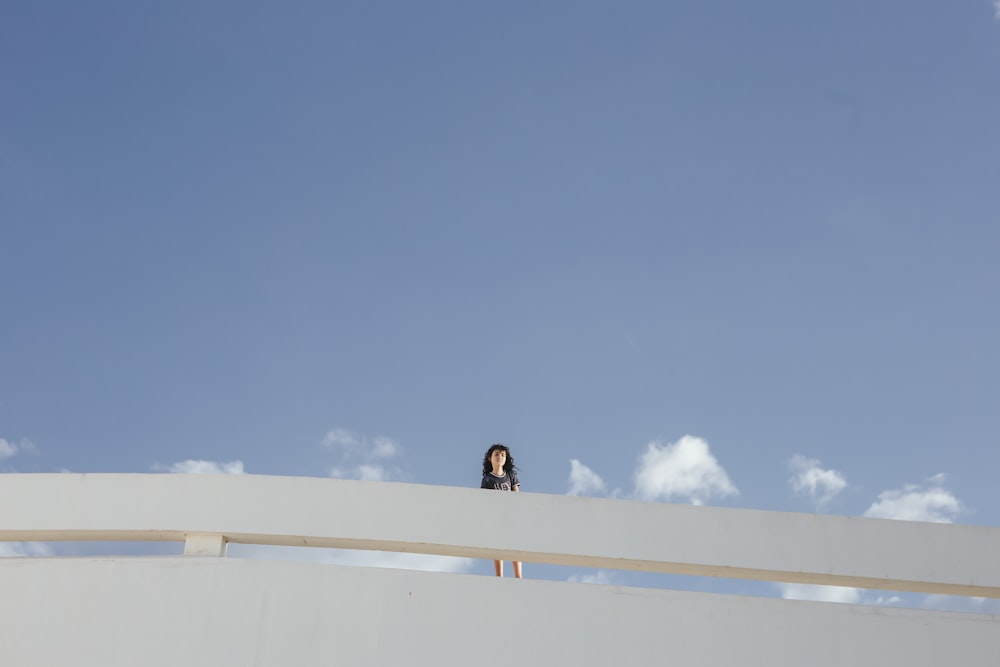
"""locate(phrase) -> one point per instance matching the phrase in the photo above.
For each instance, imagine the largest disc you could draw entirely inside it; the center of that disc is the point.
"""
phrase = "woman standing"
(500, 473)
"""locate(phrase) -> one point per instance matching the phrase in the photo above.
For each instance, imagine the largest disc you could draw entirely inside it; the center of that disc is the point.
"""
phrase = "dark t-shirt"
(505, 482)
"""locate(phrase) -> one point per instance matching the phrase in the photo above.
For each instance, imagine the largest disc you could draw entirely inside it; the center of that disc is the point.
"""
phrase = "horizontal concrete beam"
(451, 521)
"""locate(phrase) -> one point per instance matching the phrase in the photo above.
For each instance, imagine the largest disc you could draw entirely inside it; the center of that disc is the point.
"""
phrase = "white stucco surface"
(205, 609)
(160, 612)
(778, 546)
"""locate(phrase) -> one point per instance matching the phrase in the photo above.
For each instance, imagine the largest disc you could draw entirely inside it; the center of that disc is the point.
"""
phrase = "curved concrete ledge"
(589, 532)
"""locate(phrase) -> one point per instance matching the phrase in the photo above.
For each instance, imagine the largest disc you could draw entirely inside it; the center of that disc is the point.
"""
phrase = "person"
(500, 473)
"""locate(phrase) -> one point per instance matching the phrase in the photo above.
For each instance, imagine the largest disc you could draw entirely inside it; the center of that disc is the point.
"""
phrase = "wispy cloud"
(201, 467)
(384, 448)
(349, 443)
(583, 481)
(929, 501)
(959, 603)
(360, 457)
(24, 549)
(340, 438)
(815, 593)
(842, 594)
(368, 473)
(10, 449)
(685, 470)
(358, 558)
(809, 478)
(996, 9)
(7, 449)
(598, 577)
(398, 560)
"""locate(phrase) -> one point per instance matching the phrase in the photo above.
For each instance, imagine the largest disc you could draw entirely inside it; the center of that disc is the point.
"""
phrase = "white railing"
(208, 511)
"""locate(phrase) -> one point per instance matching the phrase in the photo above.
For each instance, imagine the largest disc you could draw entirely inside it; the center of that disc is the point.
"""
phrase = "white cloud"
(954, 603)
(882, 601)
(199, 467)
(340, 438)
(7, 449)
(24, 549)
(815, 593)
(384, 448)
(841, 594)
(359, 457)
(399, 560)
(359, 558)
(809, 478)
(371, 473)
(917, 502)
(996, 9)
(366, 472)
(683, 470)
(584, 481)
(598, 577)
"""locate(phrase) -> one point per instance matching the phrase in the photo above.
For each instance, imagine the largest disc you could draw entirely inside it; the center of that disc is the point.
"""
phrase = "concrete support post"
(196, 544)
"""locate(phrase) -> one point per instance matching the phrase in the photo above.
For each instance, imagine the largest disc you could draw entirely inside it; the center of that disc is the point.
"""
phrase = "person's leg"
(498, 566)
(517, 569)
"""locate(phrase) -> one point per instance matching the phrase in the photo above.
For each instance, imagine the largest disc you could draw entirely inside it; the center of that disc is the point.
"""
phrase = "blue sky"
(672, 251)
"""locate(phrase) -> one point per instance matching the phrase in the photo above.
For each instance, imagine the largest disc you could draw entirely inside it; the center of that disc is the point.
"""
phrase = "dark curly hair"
(508, 467)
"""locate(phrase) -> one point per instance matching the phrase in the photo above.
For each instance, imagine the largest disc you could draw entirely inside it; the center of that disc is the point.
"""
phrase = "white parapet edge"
(208, 511)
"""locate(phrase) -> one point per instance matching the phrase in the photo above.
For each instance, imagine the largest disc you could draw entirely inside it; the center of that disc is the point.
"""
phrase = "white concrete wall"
(207, 612)
(197, 610)
(589, 532)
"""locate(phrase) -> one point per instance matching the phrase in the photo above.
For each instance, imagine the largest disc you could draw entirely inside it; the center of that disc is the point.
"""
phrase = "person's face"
(498, 458)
